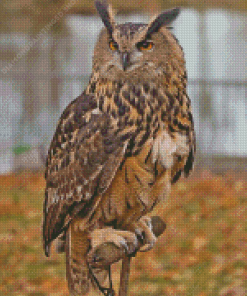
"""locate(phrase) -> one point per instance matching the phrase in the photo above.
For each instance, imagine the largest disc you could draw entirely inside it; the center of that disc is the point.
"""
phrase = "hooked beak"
(125, 60)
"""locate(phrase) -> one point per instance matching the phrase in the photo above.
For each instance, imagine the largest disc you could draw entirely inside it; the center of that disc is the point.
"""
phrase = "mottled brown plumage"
(120, 145)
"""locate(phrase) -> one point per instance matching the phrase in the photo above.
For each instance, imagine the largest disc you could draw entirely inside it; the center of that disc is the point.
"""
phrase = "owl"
(119, 146)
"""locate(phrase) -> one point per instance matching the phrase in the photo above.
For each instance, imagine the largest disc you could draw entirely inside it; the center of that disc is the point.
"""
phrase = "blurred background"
(46, 49)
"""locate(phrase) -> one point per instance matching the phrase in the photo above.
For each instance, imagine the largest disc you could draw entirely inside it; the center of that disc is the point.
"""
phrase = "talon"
(147, 247)
(149, 224)
(125, 246)
(140, 235)
(144, 233)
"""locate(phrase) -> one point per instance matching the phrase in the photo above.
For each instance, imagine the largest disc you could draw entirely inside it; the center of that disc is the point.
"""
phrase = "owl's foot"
(144, 232)
(125, 240)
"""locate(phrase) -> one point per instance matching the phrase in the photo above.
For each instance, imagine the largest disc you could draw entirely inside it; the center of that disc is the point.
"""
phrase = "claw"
(125, 246)
(144, 232)
(147, 247)
(140, 235)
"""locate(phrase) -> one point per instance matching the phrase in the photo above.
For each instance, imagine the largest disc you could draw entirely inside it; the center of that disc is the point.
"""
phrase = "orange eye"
(113, 45)
(145, 45)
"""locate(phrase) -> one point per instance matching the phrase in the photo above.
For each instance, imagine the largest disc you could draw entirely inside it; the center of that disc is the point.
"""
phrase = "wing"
(84, 156)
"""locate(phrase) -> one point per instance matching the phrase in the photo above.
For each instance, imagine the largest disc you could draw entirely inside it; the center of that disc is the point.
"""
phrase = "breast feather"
(165, 148)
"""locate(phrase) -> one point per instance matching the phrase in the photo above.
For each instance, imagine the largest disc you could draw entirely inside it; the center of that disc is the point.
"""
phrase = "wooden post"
(124, 277)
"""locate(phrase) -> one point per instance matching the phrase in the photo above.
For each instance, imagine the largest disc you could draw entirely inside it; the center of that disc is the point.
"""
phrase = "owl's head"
(135, 49)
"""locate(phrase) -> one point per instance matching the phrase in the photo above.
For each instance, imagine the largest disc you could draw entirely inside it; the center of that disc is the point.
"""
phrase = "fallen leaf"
(199, 242)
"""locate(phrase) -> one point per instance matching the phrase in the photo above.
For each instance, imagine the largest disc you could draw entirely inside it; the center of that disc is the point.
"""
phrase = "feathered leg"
(80, 277)
(77, 272)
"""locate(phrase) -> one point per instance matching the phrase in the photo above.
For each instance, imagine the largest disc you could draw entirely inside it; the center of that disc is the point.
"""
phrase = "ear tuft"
(163, 19)
(106, 13)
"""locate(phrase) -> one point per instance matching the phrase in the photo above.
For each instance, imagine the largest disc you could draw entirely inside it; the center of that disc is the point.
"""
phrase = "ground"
(201, 253)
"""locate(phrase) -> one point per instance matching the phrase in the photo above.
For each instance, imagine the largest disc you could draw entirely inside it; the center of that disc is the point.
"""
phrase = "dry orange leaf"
(199, 242)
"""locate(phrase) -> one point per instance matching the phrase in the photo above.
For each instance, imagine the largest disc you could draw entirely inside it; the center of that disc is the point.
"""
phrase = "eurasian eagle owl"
(120, 145)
